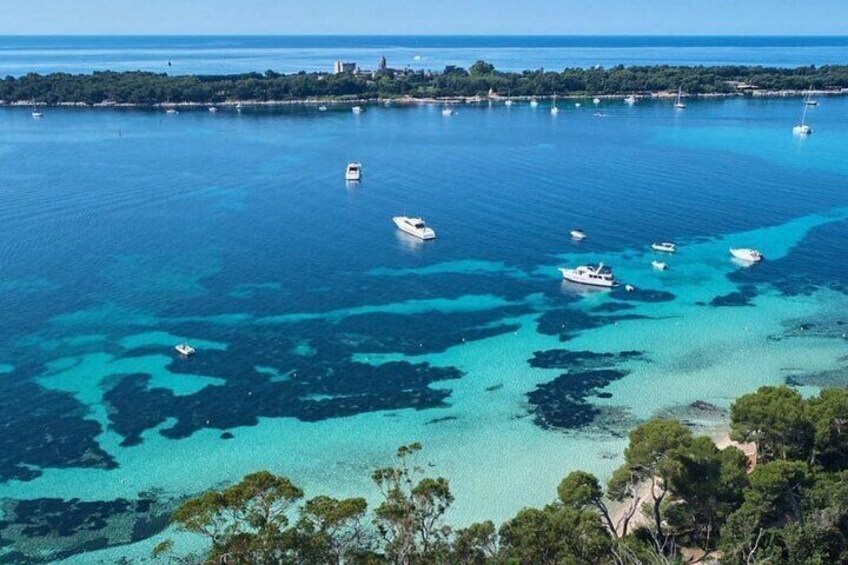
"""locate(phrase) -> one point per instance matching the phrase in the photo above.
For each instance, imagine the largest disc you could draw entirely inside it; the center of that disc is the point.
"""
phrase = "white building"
(340, 67)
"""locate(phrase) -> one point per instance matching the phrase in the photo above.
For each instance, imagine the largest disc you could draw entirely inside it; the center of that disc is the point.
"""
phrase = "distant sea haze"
(20, 55)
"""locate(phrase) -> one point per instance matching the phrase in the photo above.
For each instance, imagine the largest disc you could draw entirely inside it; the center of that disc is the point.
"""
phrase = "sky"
(472, 17)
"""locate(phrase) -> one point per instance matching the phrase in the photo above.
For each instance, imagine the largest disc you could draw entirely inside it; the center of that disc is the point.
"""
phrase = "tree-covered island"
(480, 80)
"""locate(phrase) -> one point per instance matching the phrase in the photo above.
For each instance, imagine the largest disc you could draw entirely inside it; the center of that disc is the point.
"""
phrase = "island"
(480, 81)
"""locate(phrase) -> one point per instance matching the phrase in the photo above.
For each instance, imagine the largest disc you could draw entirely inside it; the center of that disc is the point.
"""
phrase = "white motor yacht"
(590, 275)
(356, 109)
(659, 265)
(414, 227)
(746, 254)
(578, 235)
(353, 172)
(665, 247)
(185, 349)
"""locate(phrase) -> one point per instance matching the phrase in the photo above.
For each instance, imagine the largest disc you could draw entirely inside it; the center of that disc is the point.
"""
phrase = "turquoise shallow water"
(325, 339)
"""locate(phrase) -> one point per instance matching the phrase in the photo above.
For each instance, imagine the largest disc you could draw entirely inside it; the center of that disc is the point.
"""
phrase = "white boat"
(590, 275)
(36, 114)
(322, 108)
(356, 109)
(629, 287)
(238, 107)
(809, 100)
(659, 265)
(213, 110)
(802, 128)
(665, 247)
(554, 109)
(508, 103)
(353, 172)
(414, 227)
(172, 111)
(679, 104)
(185, 349)
(630, 100)
(746, 254)
(596, 101)
(534, 103)
(577, 104)
(578, 235)
(447, 111)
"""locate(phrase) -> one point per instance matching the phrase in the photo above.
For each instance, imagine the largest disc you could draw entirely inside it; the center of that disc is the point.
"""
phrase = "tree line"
(677, 499)
(145, 88)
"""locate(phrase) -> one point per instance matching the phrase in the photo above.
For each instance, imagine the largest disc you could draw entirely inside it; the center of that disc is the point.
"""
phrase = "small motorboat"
(630, 100)
(554, 111)
(185, 349)
(802, 129)
(578, 235)
(629, 287)
(172, 111)
(36, 115)
(664, 247)
(746, 254)
(599, 275)
(239, 107)
(414, 227)
(353, 172)
(356, 109)
(322, 108)
(599, 115)
(508, 103)
(596, 101)
(659, 265)
(213, 110)
(534, 103)
(447, 111)
(577, 104)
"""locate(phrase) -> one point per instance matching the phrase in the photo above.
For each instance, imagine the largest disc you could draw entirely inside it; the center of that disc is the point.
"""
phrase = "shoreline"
(413, 101)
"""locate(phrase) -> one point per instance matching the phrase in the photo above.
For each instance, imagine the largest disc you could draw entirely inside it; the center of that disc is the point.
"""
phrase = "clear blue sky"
(636, 17)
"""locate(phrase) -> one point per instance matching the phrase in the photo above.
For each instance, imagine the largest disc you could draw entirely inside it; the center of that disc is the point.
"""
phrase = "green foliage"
(829, 416)
(475, 545)
(792, 509)
(776, 419)
(146, 88)
(409, 519)
(555, 534)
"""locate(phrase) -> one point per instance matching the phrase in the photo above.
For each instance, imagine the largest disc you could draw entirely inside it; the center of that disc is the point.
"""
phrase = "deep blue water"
(325, 338)
(232, 54)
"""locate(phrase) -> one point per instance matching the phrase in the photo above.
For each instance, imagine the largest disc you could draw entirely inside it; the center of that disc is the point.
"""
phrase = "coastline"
(415, 101)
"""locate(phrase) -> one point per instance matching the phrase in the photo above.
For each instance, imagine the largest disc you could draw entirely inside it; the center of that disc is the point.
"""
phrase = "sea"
(325, 339)
(171, 54)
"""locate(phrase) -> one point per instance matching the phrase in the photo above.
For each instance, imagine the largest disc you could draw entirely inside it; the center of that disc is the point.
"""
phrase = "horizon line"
(248, 34)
